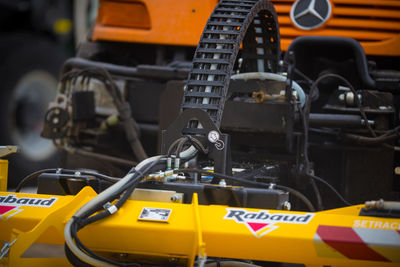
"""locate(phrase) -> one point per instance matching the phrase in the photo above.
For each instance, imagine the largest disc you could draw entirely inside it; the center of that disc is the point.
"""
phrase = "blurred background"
(36, 36)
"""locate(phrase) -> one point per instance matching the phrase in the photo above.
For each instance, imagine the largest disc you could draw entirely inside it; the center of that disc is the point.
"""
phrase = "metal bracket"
(218, 143)
(8, 150)
(6, 248)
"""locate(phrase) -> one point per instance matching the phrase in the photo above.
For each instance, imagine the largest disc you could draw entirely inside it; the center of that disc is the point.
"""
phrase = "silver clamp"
(110, 208)
(201, 261)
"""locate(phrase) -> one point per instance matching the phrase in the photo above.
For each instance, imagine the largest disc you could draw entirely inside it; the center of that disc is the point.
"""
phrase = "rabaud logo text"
(241, 215)
(13, 200)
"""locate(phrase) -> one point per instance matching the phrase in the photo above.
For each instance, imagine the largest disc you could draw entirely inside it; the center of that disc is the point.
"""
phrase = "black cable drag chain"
(250, 23)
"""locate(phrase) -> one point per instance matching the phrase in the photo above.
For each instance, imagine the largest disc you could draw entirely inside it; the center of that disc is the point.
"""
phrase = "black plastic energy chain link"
(251, 24)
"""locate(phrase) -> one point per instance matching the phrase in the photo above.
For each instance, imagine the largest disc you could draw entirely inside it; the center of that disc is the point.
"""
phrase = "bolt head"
(286, 205)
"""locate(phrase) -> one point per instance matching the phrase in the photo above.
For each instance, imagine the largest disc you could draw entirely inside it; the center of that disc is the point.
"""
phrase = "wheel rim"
(28, 105)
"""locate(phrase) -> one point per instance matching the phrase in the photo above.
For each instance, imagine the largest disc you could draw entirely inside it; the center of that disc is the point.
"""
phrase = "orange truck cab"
(375, 24)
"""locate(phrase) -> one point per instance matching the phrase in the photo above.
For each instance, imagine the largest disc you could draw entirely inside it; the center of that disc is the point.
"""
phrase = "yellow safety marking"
(323, 250)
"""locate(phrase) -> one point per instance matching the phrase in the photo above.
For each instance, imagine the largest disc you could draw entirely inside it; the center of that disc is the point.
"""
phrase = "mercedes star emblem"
(310, 14)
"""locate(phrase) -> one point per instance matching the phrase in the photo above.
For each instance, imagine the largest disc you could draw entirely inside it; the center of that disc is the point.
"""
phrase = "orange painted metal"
(120, 14)
(172, 23)
(374, 23)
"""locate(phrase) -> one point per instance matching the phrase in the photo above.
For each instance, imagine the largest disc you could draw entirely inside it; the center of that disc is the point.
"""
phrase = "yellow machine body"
(338, 237)
(3, 174)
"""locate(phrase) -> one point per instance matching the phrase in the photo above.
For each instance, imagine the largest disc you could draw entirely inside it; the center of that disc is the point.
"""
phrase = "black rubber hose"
(320, 206)
(307, 160)
(94, 174)
(124, 110)
(82, 247)
(370, 140)
(198, 144)
(162, 73)
(299, 195)
(302, 197)
(136, 178)
(79, 223)
(339, 43)
(180, 146)
(172, 146)
(131, 133)
(307, 107)
(74, 260)
(32, 176)
(330, 187)
(76, 62)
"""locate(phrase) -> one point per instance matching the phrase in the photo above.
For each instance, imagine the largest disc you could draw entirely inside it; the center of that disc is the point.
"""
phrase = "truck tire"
(29, 71)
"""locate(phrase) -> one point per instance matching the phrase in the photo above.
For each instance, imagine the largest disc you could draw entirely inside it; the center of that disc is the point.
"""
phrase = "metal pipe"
(335, 120)
(163, 73)
(382, 205)
(85, 63)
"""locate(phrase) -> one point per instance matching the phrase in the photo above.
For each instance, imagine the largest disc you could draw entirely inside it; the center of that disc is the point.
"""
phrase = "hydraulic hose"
(101, 198)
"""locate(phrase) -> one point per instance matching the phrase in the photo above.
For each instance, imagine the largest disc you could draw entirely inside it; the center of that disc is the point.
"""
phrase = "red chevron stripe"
(5, 209)
(348, 243)
(257, 226)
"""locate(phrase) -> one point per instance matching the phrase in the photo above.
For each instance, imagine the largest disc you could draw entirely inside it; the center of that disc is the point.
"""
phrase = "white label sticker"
(155, 214)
